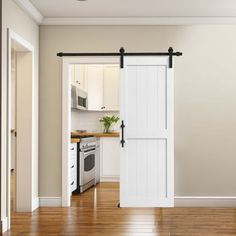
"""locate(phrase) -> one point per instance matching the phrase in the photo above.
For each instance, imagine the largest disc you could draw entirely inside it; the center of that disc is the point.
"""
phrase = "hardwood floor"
(95, 213)
(12, 190)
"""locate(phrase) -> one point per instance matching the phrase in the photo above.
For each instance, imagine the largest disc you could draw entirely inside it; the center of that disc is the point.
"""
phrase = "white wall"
(17, 20)
(89, 120)
(205, 98)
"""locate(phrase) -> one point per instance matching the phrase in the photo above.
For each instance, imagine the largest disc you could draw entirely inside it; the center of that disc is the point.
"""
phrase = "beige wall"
(15, 19)
(205, 99)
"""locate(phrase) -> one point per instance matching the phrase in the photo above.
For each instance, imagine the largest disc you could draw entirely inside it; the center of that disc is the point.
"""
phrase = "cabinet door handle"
(72, 149)
(72, 166)
(72, 183)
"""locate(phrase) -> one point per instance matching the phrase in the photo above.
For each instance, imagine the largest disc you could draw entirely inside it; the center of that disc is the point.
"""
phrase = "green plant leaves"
(108, 121)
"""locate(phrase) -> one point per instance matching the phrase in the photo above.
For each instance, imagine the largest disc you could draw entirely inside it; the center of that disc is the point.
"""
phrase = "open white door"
(147, 109)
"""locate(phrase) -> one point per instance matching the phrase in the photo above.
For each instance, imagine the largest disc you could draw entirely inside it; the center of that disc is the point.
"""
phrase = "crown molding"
(31, 10)
(138, 20)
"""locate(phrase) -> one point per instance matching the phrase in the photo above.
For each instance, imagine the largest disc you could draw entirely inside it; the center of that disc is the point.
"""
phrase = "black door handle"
(122, 133)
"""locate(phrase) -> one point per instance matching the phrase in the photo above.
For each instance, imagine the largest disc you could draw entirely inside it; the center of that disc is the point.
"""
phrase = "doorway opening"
(22, 169)
(83, 77)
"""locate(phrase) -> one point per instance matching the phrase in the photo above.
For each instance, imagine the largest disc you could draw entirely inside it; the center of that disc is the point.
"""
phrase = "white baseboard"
(35, 204)
(179, 201)
(205, 201)
(50, 202)
(4, 224)
(110, 179)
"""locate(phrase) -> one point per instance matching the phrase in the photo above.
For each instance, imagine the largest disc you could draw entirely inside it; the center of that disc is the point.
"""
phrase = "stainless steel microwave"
(79, 98)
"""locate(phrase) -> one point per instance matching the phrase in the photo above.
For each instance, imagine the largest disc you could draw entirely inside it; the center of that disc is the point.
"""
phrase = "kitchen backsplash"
(89, 120)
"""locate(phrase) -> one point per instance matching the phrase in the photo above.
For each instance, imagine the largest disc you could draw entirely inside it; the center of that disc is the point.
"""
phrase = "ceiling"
(136, 8)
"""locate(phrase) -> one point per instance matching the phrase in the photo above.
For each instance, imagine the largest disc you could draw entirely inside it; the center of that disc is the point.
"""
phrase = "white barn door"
(147, 109)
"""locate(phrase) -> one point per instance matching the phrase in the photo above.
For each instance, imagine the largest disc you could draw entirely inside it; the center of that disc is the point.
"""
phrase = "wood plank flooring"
(95, 213)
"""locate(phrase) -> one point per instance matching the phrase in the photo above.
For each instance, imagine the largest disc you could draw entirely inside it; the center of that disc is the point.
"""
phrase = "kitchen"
(95, 142)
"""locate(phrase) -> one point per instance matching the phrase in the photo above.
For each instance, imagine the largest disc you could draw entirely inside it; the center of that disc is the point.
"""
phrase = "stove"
(86, 163)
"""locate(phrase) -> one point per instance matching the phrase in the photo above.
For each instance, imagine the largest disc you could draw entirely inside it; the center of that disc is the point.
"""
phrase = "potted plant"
(107, 122)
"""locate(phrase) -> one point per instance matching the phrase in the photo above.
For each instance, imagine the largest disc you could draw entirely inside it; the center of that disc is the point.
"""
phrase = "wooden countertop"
(76, 134)
(74, 140)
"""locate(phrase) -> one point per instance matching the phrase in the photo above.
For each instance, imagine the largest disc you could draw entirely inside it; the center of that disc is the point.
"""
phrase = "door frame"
(11, 35)
(66, 116)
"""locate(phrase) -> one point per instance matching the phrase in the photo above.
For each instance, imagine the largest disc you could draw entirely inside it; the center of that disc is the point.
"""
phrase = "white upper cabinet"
(72, 74)
(101, 82)
(94, 75)
(78, 77)
(111, 87)
(103, 87)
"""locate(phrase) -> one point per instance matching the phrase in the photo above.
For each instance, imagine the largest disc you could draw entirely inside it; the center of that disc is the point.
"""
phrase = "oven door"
(87, 166)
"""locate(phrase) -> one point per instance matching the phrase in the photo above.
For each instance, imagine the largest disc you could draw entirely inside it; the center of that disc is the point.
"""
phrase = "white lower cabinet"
(109, 159)
(73, 167)
(97, 161)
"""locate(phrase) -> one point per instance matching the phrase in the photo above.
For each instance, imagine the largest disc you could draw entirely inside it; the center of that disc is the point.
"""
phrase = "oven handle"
(88, 152)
